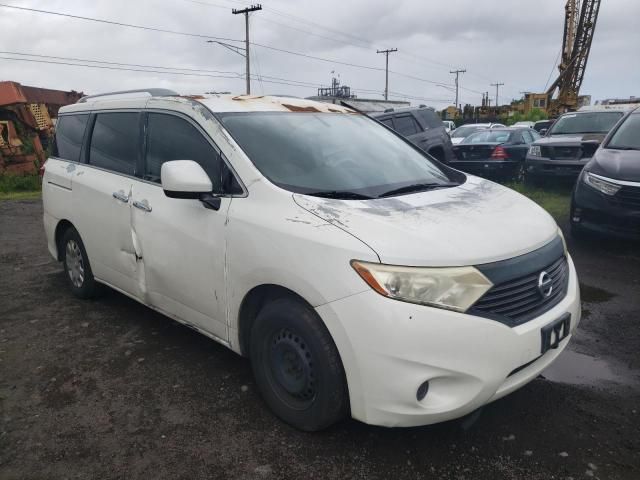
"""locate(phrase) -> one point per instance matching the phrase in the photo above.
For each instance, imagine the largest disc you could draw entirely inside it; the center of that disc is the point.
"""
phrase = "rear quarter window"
(429, 118)
(69, 134)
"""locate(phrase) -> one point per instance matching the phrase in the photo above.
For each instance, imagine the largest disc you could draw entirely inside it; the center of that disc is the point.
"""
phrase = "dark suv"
(569, 144)
(422, 126)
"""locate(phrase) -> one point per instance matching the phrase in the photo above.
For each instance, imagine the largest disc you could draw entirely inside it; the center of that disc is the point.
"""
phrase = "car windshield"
(331, 154)
(593, 122)
(462, 132)
(488, 136)
(627, 136)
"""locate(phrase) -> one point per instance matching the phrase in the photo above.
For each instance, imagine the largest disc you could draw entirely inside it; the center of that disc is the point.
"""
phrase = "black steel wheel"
(297, 366)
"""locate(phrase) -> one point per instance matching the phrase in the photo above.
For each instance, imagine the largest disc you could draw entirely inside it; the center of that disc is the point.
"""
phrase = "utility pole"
(386, 81)
(457, 73)
(497, 85)
(246, 11)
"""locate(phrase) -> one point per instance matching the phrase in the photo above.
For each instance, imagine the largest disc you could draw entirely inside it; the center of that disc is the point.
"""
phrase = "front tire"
(297, 366)
(76, 265)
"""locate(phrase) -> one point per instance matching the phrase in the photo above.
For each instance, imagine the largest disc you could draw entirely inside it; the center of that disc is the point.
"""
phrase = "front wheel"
(297, 366)
(76, 265)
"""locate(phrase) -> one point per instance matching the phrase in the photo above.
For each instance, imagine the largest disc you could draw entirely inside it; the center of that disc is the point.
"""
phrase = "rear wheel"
(297, 366)
(76, 265)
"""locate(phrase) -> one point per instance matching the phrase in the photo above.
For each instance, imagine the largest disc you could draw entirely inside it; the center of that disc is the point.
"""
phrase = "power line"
(119, 24)
(119, 66)
(268, 47)
(75, 59)
(497, 85)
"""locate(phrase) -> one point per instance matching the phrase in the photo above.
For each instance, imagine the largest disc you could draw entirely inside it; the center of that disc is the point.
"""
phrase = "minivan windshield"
(338, 155)
(627, 136)
(592, 122)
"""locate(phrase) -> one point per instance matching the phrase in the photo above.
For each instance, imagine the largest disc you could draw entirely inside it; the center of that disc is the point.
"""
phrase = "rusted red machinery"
(27, 122)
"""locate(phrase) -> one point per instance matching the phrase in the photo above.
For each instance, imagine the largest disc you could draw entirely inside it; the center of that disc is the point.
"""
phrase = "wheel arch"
(251, 305)
(62, 226)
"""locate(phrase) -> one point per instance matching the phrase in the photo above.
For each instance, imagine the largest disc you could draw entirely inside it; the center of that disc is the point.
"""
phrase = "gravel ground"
(110, 389)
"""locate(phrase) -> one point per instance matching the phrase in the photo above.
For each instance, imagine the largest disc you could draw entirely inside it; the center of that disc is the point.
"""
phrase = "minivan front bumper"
(390, 348)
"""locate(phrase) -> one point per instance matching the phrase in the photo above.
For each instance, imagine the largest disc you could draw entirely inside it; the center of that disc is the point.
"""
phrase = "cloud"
(495, 40)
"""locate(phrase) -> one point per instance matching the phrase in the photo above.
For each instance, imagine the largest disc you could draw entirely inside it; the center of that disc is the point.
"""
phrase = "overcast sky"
(513, 42)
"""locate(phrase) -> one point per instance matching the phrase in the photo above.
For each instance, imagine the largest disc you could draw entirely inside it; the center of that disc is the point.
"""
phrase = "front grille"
(628, 197)
(518, 300)
(562, 153)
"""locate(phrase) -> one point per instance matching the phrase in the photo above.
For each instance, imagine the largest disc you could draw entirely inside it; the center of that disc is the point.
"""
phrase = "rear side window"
(115, 142)
(406, 125)
(69, 134)
(388, 122)
(173, 138)
(429, 118)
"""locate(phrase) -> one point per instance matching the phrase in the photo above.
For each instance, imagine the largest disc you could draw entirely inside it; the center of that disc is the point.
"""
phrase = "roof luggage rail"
(153, 92)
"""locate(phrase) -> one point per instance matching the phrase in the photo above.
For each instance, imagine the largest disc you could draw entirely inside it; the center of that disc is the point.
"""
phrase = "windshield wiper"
(622, 147)
(417, 187)
(340, 195)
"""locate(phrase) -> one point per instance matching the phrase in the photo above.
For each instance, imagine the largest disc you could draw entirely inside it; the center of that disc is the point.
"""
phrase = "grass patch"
(19, 187)
(554, 199)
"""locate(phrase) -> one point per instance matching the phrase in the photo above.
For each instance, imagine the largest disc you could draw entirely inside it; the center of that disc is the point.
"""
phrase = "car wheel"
(76, 265)
(297, 366)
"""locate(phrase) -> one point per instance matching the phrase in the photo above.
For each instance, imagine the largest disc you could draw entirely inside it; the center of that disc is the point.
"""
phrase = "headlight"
(534, 151)
(452, 288)
(608, 188)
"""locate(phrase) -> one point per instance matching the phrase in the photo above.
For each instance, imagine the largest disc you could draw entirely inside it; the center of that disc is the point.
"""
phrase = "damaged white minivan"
(359, 275)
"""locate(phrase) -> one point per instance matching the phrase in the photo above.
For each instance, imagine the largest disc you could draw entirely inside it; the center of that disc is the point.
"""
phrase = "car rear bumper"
(544, 167)
(389, 348)
(594, 211)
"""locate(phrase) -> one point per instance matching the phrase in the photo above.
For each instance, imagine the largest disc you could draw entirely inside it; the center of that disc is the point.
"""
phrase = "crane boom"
(579, 27)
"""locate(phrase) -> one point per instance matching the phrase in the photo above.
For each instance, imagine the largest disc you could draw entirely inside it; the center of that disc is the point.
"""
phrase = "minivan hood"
(618, 164)
(477, 222)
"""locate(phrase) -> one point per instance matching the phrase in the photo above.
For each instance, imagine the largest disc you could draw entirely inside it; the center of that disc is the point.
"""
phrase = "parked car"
(449, 126)
(606, 197)
(568, 145)
(523, 124)
(464, 131)
(541, 126)
(498, 153)
(359, 275)
(422, 126)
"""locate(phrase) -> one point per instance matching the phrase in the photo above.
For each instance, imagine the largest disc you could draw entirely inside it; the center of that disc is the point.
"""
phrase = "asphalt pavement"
(110, 389)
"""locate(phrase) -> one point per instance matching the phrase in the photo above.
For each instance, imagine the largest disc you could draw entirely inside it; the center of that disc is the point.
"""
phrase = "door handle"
(121, 196)
(143, 205)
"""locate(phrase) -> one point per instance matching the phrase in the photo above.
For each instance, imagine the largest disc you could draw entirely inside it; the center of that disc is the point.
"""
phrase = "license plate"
(553, 333)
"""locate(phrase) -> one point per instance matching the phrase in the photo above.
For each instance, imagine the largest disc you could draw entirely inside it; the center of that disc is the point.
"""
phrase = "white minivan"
(359, 275)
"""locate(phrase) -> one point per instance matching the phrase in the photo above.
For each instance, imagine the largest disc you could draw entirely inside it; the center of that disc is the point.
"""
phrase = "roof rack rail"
(154, 92)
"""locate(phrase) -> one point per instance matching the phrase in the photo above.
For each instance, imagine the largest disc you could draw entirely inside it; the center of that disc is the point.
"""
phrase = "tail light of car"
(499, 153)
(41, 170)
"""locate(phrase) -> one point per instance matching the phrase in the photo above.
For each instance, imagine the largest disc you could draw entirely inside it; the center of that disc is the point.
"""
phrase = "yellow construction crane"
(579, 26)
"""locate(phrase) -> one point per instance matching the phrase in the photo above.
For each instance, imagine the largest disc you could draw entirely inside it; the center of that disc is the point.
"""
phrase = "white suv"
(359, 275)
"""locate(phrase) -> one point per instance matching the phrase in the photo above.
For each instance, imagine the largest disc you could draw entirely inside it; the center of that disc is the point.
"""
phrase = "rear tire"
(297, 366)
(76, 265)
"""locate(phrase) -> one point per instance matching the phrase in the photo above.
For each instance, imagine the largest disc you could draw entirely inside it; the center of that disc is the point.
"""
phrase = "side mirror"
(187, 179)
(543, 131)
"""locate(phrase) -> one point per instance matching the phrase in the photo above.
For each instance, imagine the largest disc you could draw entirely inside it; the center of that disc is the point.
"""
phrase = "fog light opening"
(422, 391)
(577, 212)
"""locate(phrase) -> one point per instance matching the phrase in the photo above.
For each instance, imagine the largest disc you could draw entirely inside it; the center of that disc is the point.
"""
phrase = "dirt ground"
(109, 389)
